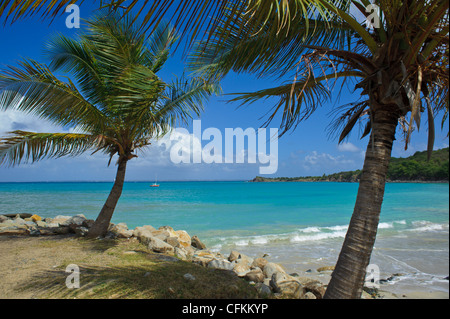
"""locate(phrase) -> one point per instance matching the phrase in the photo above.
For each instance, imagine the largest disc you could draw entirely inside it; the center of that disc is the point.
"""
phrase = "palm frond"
(24, 146)
(32, 88)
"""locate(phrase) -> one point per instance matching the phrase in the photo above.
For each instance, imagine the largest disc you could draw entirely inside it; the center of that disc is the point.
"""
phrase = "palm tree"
(118, 105)
(401, 68)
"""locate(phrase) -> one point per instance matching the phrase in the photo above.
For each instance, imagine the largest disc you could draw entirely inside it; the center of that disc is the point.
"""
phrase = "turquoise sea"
(301, 225)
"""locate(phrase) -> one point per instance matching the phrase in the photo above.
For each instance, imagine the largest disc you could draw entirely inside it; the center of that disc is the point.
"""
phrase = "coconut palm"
(117, 105)
(400, 67)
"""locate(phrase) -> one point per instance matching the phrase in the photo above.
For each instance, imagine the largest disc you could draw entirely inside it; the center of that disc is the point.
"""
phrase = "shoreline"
(309, 270)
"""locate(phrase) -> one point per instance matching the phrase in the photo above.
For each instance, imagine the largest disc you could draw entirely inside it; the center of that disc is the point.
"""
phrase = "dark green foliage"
(413, 168)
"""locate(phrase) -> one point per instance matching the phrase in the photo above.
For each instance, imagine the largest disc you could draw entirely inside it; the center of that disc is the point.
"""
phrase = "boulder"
(220, 264)
(241, 268)
(313, 286)
(36, 218)
(234, 255)
(197, 243)
(21, 215)
(121, 231)
(144, 230)
(60, 220)
(271, 268)
(183, 238)
(3, 218)
(181, 253)
(287, 285)
(77, 220)
(259, 262)
(173, 241)
(157, 245)
(326, 268)
(255, 275)
(263, 290)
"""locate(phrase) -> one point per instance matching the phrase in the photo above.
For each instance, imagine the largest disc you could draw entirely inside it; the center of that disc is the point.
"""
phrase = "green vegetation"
(413, 168)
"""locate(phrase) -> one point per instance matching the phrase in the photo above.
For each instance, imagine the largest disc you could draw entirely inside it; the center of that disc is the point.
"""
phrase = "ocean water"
(300, 225)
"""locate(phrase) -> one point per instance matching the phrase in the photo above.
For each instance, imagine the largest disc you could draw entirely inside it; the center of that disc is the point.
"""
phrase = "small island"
(415, 168)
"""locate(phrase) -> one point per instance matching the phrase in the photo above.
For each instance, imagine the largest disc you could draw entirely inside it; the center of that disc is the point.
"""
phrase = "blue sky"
(306, 151)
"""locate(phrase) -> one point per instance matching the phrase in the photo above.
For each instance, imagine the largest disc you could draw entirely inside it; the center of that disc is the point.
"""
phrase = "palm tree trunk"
(100, 227)
(347, 280)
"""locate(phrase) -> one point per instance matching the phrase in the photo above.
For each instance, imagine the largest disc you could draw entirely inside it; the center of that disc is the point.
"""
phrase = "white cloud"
(348, 147)
(11, 120)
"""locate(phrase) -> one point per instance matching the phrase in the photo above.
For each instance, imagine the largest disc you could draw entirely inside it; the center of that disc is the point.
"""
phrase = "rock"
(220, 264)
(157, 245)
(183, 238)
(287, 285)
(203, 257)
(33, 231)
(234, 255)
(270, 268)
(3, 218)
(60, 220)
(241, 268)
(259, 262)
(36, 218)
(197, 243)
(173, 241)
(121, 231)
(144, 230)
(81, 231)
(262, 289)
(313, 286)
(77, 220)
(309, 295)
(163, 233)
(188, 276)
(21, 215)
(181, 253)
(255, 275)
(326, 268)
(41, 224)
(88, 223)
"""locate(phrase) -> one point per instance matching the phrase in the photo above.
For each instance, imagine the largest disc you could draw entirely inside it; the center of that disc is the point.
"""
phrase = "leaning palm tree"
(118, 103)
(400, 67)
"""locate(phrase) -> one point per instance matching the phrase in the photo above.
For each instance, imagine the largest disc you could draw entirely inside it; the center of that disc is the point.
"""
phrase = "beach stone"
(60, 220)
(309, 295)
(220, 264)
(287, 285)
(241, 268)
(255, 275)
(197, 243)
(144, 230)
(157, 245)
(234, 255)
(263, 289)
(326, 268)
(36, 218)
(173, 241)
(181, 253)
(271, 268)
(313, 286)
(21, 215)
(259, 262)
(183, 238)
(163, 233)
(121, 231)
(189, 276)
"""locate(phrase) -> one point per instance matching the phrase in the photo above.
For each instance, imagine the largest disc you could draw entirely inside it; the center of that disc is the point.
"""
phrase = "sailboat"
(154, 184)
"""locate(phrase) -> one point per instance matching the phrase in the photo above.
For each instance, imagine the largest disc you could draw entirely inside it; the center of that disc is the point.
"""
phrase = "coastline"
(21, 244)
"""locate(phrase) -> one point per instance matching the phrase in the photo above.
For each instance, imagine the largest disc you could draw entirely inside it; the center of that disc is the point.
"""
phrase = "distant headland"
(415, 168)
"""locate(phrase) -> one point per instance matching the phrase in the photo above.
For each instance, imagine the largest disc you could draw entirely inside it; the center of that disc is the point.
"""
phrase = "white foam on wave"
(423, 226)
